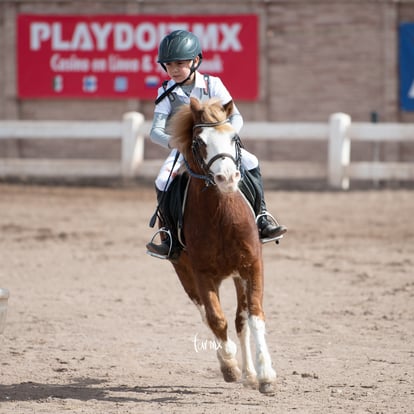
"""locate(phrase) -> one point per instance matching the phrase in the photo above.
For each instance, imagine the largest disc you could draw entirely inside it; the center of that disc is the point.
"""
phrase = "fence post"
(339, 151)
(132, 143)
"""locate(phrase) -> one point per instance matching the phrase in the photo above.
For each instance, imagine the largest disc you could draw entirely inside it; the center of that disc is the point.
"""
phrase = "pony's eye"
(198, 142)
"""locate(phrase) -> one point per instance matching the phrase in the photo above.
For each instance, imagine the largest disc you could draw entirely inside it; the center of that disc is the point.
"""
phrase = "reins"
(209, 180)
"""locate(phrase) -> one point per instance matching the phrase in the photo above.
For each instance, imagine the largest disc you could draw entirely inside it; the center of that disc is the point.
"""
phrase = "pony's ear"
(195, 106)
(228, 107)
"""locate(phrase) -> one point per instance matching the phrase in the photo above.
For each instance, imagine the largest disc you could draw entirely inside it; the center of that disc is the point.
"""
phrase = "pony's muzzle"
(227, 183)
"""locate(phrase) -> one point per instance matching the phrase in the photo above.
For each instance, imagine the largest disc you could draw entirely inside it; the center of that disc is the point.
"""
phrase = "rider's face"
(180, 69)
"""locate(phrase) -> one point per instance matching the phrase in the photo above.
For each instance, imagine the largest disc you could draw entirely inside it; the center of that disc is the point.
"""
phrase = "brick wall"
(316, 58)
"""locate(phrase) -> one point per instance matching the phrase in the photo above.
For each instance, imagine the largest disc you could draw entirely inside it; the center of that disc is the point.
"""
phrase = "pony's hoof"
(250, 381)
(251, 385)
(231, 374)
(266, 388)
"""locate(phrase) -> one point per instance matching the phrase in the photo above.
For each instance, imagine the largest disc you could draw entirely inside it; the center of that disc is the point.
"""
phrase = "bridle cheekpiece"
(197, 143)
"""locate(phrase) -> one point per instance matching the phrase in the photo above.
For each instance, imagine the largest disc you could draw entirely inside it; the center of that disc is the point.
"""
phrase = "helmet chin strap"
(171, 88)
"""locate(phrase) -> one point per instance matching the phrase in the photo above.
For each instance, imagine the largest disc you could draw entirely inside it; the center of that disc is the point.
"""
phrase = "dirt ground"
(97, 326)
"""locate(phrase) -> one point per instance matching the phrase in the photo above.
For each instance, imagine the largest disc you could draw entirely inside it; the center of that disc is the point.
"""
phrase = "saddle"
(172, 206)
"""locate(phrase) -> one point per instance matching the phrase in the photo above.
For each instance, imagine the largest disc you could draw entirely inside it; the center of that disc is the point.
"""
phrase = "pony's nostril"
(219, 178)
(237, 175)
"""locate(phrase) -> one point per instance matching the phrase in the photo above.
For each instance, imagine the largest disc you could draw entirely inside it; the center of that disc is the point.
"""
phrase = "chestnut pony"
(221, 238)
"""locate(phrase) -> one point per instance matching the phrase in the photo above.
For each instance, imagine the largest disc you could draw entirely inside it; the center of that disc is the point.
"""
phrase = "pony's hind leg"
(249, 375)
(227, 349)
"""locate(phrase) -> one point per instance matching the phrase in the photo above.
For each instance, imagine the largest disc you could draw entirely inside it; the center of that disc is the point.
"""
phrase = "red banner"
(116, 56)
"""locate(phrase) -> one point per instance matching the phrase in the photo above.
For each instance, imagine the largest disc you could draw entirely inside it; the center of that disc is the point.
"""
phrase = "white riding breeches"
(165, 176)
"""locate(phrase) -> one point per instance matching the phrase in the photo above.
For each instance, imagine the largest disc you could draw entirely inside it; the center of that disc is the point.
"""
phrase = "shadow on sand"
(85, 389)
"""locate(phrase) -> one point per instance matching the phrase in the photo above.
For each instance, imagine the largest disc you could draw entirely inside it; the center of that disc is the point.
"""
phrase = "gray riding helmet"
(179, 45)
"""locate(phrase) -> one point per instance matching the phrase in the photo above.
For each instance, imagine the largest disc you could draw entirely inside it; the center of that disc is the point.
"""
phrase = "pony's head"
(204, 135)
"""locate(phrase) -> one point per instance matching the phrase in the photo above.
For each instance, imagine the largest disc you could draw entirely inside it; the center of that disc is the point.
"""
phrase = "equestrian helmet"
(179, 45)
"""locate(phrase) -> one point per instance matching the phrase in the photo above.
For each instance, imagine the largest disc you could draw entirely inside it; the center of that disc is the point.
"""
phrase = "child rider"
(180, 55)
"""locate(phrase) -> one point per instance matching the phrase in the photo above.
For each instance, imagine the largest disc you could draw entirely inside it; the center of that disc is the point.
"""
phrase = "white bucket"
(4, 296)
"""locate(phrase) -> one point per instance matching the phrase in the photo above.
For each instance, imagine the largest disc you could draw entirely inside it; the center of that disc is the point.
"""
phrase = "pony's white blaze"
(225, 172)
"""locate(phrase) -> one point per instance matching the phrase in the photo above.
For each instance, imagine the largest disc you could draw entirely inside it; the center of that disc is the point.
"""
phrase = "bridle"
(196, 147)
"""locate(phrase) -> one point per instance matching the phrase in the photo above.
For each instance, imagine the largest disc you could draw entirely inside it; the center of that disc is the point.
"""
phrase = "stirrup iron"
(159, 232)
(271, 219)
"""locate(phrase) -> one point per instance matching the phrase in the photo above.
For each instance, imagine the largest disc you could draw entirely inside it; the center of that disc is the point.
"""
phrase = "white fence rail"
(340, 168)
(339, 132)
(128, 130)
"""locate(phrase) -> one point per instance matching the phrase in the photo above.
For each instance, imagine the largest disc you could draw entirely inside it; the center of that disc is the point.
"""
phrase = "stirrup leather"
(159, 232)
(272, 220)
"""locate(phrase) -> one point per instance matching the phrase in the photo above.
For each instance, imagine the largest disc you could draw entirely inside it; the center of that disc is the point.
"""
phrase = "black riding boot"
(268, 227)
(163, 249)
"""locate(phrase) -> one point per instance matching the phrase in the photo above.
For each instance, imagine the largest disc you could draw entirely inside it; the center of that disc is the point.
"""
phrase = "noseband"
(196, 146)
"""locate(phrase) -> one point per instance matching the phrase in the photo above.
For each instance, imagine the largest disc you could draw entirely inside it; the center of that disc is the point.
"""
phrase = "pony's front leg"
(266, 375)
(227, 349)
(226, 354)
(265, 372)
(252, 279)
(249, 375)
